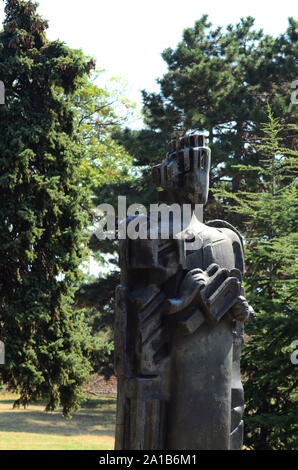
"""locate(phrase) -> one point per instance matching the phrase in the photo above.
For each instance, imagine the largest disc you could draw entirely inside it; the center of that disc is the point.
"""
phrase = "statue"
(180, 310)
(2, 353)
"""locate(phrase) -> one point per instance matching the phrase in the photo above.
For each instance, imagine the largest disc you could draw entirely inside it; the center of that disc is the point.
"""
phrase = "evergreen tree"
(219, 82)
(43, 213)
(271, 240)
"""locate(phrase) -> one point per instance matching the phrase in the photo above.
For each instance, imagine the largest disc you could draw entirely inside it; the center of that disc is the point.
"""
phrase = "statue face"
(185, 171)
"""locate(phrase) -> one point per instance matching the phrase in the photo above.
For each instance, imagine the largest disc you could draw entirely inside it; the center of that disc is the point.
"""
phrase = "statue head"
(184, 174)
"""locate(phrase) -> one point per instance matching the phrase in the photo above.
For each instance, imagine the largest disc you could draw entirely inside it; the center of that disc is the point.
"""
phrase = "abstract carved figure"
(180, 310)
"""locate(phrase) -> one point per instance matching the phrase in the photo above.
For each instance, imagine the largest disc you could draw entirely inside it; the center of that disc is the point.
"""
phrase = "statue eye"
(203, 160)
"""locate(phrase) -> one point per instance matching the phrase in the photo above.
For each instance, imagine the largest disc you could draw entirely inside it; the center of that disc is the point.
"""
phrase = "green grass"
(92, 428)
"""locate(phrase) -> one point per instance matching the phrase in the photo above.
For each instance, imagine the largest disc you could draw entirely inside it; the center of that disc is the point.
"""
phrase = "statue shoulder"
(223, 224)
(235, 239)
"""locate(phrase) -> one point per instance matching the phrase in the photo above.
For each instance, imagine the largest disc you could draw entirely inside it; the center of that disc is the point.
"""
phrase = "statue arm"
(241, 311)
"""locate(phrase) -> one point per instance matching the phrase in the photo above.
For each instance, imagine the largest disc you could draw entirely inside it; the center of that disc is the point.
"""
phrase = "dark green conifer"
(42, 213)
(271, 241)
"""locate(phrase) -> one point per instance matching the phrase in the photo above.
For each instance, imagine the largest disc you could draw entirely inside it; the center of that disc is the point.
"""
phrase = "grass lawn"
(92, 428)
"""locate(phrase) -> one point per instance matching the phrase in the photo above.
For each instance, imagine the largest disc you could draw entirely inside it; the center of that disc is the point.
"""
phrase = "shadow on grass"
(97, 417)
(99, 402)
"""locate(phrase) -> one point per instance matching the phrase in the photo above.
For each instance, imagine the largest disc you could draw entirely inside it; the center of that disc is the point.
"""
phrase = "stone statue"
(180, 310)
(2, 353)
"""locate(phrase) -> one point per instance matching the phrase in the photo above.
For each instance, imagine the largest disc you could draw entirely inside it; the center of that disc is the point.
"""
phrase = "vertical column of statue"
(142, 340)
(179, 321)
(2, 353)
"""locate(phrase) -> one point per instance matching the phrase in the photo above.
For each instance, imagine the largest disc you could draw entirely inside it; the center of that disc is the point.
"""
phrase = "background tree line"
(64, 149)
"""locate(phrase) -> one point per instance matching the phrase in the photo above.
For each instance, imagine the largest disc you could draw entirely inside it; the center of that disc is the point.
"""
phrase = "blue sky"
(127, 37)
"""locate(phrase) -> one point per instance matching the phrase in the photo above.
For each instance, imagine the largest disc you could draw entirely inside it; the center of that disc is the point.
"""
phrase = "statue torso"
(195, 364)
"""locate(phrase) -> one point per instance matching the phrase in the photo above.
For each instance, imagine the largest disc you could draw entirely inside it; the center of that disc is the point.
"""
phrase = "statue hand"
(191, 285)
(242, 311)
(193, 282)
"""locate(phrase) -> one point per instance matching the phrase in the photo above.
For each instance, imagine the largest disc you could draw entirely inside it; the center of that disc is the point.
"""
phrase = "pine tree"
(43, 213)
(271, 240)
(219, 81)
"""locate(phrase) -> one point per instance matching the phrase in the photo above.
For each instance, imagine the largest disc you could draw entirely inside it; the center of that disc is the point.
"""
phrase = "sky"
(127, 37)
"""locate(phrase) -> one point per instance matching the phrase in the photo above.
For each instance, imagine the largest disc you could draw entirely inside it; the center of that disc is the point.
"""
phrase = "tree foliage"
(271, 240)
(219, 81)
(43, 213)
(99, 112)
